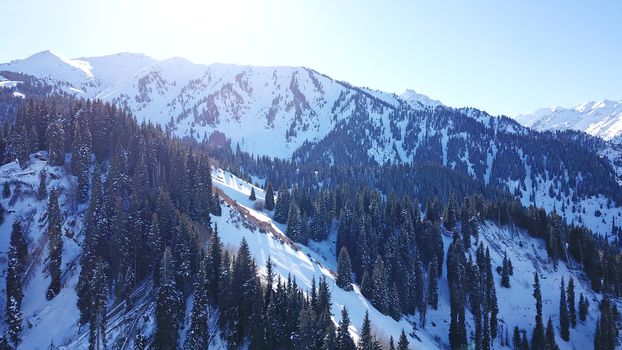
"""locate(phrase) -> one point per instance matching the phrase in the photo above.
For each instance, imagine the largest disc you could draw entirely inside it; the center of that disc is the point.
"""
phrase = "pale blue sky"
(506, 57)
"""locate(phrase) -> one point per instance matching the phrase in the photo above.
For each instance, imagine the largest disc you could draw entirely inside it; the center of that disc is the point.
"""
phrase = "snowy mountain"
(67, 75)
(287, 105)
(602, 119)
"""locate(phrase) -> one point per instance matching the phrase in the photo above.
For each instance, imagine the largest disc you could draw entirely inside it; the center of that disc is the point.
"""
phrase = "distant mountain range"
(602, 119)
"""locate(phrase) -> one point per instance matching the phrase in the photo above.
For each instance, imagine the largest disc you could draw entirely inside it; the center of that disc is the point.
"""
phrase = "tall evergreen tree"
(433, 284)
(198, 337)
(168, 302)
(6, 190)
(344, 270)
(380, 292)
(214, 267)
(550, 343)
(505, 273)
(14, 275)
(282, 207)
(537, 339)
(252, 195)
(81, 152)
(329, 342)
(450, 215)
(269, 201)
(402, 344)
(55, 245)
(583, 307)
(344, 340)
(42, 192)
(516, 339)
(564, 318)
(294, 224)
(366, 337)
(98, 316)
(55, 136)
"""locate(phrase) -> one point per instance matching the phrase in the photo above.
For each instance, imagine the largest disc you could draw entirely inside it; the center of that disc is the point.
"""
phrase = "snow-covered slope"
(111, 69)
(602, 118)
(516, 304)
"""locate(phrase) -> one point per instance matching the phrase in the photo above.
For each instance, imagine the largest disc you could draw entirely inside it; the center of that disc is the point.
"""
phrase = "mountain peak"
(50, 65)
(416, 99)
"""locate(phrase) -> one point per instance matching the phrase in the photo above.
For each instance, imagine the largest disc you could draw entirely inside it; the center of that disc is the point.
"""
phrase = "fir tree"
(344, 340)
(433, 284)
(168, 302)
(55, 245)
(550, 343)
(402, 344)
(344, 270)
(282, 206)
(572, 311)
(6, 190)
(98, 316)
(295, 224)
(380, 291)
(450, 215)
(14, 321)
(516, 339)
(564, 319)
(537, 339)
(323, 298)
(486, 334)
(505, 274)
(366, 337)
(491, 295)
(81, 155)
(198, 337)
(583, 307)
(14, 275)
(269, 200)
(42, 192)
(23, 147)
(55, 136)
(252, 195)
(524, 341)
(366, 285)
(214, 267)
(456, 279)
(329, 342)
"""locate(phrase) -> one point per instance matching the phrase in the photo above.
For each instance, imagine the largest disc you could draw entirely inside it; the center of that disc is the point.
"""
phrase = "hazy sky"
(506, 57)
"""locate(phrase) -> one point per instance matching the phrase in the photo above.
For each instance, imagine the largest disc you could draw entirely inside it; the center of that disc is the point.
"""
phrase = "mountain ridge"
(597, 118)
